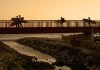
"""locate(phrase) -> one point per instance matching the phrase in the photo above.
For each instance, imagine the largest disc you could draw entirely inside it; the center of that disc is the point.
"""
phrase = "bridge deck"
(30, 30)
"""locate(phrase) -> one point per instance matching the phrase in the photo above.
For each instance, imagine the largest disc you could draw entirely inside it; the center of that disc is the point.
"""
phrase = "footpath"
(25, 50)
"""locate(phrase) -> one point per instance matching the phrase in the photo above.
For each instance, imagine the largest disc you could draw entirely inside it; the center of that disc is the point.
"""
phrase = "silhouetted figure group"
(18, 20)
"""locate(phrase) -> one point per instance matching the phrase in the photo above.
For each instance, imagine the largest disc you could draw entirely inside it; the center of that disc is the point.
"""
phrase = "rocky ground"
(79, 54)
(12, 60)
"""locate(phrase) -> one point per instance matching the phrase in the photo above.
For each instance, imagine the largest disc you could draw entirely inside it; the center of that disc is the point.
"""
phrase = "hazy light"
(50, 9)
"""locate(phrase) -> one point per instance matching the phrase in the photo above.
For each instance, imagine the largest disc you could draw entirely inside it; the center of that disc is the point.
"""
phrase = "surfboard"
(12, 24)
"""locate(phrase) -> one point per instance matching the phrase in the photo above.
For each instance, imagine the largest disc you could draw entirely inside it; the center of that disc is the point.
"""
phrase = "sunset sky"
(50, 9)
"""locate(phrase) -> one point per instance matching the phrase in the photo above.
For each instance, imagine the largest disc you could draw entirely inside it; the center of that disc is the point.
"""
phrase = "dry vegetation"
(77, 53)
(11, 60)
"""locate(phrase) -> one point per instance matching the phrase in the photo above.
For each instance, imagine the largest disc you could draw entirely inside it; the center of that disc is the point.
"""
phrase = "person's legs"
(21, 25)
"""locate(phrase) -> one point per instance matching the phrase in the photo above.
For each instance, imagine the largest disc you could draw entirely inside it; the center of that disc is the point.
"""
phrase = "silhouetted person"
(17, 21)
(89, 21)
(20, 20)
(62, 20)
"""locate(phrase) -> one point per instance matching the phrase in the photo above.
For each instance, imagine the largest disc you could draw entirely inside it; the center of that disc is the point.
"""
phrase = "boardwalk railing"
(48, 26)
(49, 23)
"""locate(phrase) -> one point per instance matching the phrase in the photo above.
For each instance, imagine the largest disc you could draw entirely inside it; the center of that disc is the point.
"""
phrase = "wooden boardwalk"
(32, 30)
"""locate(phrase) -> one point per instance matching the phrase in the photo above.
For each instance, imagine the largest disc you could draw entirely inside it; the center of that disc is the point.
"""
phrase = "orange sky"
(50, 9)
